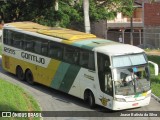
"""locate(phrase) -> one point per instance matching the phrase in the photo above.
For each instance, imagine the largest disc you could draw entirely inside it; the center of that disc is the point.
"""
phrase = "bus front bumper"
(120, 105)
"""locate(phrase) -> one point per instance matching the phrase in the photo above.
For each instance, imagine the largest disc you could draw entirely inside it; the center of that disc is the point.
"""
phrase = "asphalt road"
(52, 100)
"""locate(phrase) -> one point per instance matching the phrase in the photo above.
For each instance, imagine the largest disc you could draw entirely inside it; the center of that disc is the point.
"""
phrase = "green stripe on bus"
(60, 74)
(69, 78)
(91, 43)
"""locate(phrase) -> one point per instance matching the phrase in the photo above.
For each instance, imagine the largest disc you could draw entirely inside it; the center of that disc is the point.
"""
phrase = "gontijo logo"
(32, 58)
(26, 55)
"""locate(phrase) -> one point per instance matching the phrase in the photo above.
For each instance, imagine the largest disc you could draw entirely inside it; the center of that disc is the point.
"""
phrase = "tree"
(56, 5)
(104, 9)
(70, 14)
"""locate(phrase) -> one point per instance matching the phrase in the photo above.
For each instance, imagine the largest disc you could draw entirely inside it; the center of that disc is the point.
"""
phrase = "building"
(152, 24)
(142, 20)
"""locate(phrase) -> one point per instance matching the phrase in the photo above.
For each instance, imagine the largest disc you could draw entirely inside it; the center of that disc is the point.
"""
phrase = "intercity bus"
(100, 71)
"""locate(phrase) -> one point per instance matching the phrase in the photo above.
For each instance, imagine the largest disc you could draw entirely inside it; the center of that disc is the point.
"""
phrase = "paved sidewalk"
(153, 53)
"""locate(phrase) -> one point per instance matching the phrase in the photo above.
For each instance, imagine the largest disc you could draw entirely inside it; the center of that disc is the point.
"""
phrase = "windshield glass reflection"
(132, 80)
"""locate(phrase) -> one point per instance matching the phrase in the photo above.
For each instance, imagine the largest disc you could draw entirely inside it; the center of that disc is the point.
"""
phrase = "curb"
(155, 97)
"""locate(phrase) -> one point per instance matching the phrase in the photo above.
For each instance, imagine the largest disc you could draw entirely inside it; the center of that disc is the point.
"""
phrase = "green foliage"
(155, 80)
(98, 13)
(113, 6)
(68, 15)
(127, 7)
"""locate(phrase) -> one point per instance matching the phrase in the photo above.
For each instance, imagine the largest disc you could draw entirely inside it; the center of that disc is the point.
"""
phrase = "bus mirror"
(156, 69)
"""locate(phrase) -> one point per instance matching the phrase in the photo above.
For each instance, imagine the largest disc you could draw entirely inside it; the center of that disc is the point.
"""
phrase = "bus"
(99, 71)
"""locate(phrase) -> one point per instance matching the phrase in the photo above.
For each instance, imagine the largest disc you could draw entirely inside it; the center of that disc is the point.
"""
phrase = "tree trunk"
(86, 16)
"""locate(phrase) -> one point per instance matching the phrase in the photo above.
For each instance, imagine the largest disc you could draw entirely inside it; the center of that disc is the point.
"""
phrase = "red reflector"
(135, 104)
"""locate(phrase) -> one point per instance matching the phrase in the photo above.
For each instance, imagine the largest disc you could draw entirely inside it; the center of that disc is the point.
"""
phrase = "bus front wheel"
(89, 98)
(19, 73)
(29, 77)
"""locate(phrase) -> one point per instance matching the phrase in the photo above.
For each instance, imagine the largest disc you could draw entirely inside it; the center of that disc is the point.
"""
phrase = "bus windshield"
(129, 60)
(130, 81)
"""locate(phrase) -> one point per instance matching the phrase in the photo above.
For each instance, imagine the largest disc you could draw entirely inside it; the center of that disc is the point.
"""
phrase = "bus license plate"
(135, 104)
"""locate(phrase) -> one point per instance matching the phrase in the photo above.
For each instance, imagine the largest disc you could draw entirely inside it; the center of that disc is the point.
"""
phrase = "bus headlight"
(120, 99)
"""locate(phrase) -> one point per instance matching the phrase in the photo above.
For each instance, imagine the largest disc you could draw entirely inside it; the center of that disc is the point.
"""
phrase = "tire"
(91, 100)
(29, 77)
(19, 73)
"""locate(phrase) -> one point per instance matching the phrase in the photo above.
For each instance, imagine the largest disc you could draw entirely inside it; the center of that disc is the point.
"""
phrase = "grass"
(152, 50)
(14, 98)
(155, 80)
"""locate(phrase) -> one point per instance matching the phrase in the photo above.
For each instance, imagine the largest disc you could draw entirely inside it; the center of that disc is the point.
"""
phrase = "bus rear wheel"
(29, 77)
(19, 73)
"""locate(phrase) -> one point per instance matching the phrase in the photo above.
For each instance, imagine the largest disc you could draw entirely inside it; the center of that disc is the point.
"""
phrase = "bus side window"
(84, 58)
(17, 39)
(10, 37)
(76, 56)
(91, 63)
(68, 54)
(71, 55)
(55, 50)
(44, 49)
(5, 36)
(29, 43)
(30, 46)
(37, 47)
(87, 59)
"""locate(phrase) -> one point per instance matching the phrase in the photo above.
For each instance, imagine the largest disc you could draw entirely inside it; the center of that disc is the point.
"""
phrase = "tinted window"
(87, 59)
(104, 74)
(8, 37)
(37, 47)
(55, 50)
(17, 39)
(5, 38)
(71, 55)
(44, 48)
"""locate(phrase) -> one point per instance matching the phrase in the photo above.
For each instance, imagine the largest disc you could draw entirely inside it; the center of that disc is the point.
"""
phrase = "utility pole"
(131, 33)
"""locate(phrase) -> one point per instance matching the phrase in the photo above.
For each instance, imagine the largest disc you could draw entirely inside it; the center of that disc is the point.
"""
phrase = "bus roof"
(66, 34)
(118, 49)
(74, 38)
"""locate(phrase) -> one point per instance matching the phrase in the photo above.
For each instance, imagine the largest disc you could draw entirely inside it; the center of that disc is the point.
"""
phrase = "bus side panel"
(87, 81)
(41, 75)
(8, 63)
(65, 77)
(45, 75)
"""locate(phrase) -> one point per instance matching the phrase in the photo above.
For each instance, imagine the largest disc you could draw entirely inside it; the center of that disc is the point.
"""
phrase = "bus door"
(105, 80)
